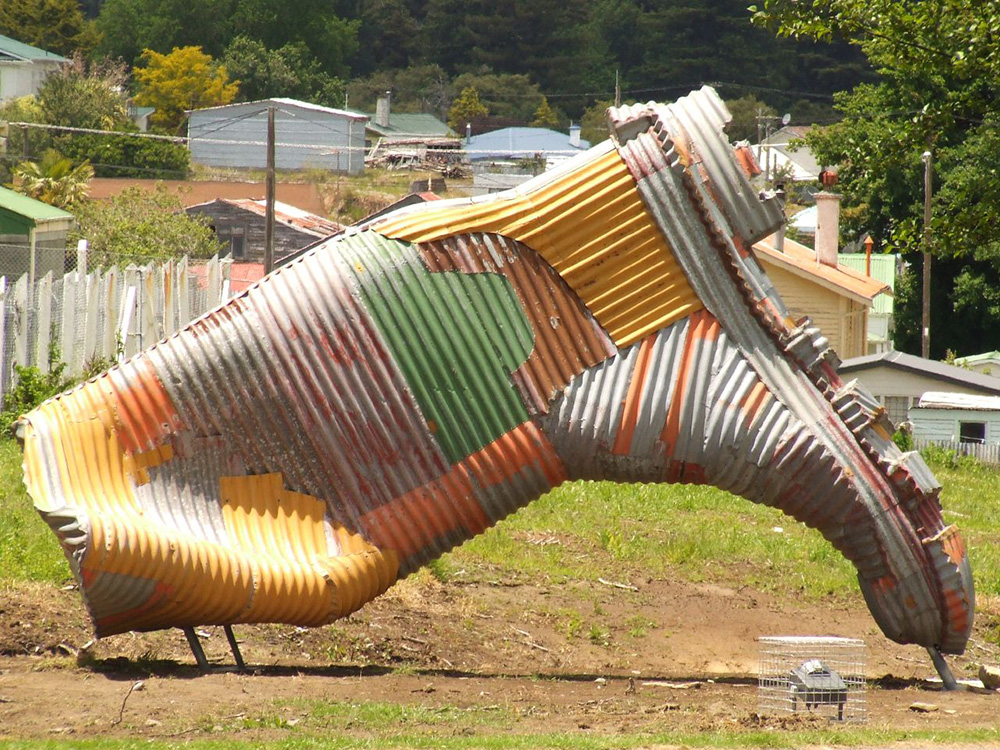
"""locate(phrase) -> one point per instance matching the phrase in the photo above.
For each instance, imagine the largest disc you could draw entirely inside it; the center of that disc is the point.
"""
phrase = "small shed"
(945, 417)
(32, 236)
(241, 225)
(306, 136)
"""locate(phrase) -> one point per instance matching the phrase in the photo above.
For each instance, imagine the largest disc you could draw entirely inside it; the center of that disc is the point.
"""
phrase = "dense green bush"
(128, 156)
(31, 388)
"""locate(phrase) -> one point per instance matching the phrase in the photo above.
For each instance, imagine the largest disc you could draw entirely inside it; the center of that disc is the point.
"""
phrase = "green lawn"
(613, 531)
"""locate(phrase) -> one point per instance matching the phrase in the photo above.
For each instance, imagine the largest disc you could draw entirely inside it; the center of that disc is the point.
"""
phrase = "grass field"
(614, 531)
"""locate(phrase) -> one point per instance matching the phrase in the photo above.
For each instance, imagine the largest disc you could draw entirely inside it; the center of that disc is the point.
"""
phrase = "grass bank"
(590, 530)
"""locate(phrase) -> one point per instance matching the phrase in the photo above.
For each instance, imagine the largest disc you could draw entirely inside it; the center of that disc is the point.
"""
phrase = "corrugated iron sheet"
(587, 221)
(399, 389)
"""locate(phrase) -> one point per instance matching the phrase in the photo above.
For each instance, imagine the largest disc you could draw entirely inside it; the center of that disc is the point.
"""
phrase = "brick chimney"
(382, 111)
(827, 220)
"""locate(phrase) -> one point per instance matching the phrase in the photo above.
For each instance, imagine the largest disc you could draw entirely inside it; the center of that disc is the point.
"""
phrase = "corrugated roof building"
(240, 224)
(28, 225)
(306, 136)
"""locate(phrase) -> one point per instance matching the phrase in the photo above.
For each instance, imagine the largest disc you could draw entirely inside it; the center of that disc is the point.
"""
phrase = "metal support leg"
(196, 649)
(947, 678)
(235, 647)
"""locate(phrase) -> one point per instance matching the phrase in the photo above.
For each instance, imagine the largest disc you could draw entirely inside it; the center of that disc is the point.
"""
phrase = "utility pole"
(269, 209)
(925, 338)
(618, 91)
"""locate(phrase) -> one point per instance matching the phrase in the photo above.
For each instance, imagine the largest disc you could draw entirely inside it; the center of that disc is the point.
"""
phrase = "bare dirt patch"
(589, 658)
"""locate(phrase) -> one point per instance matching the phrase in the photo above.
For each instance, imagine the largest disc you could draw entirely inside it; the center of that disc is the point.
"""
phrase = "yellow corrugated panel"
(297, 579)
(282, 561)
(592, 227)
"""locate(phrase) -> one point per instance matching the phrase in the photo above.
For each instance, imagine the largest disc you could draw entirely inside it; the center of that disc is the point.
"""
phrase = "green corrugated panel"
(883, 269)
(457, 337)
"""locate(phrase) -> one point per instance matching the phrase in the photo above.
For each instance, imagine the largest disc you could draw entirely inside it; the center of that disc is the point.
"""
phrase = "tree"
(594, 123)
(420, 88)
(139, 226)
(185, 79)
(745, 124)
(130, 26)
(54, 180)
(465, 109)
(292, 71)
(84, 94)
(939, 87)
(511, 99)
(332, 40)
(53, 25)
(545, 116)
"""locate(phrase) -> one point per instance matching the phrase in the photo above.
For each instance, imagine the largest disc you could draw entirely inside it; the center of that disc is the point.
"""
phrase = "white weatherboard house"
(306, 136)
(24, 68)
(943, 417)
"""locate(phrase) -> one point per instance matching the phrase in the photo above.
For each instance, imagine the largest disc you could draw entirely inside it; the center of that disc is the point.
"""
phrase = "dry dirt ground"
(580, 658)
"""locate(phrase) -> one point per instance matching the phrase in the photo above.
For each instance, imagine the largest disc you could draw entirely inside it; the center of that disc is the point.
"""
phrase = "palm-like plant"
(54, 179)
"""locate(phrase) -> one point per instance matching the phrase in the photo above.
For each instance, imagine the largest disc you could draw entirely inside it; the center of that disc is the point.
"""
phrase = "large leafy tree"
(130, 26)
(290, 70)
(53, 25)
(185, 79)
(939, 87)
(331, 39)
(139, 226)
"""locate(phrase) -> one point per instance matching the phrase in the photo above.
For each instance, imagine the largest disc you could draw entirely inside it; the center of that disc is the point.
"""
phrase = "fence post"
(21, 321)
(81, 257)
(214, 278)
(167, 280)
(92, 315)
(183, 292)
(111, 303)
(150, 335)
(67, 326)
(5, 375)
(43, 324)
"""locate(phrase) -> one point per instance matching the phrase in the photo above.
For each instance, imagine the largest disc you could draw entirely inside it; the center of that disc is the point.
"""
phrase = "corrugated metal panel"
(567, 339)
(375, 402)
(591, 227)
(667, 188)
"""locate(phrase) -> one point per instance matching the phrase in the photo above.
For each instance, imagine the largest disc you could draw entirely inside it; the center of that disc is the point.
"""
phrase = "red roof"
(241, 275)
(285, 213)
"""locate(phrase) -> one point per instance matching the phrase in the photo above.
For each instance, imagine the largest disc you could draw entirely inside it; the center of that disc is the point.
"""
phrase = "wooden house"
(240, 225)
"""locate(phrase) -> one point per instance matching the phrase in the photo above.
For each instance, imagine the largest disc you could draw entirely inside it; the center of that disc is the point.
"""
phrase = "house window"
(972, 432)
(237, 243)
(898, 408)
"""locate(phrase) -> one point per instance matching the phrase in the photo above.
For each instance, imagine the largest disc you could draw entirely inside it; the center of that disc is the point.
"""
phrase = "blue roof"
(521, 143)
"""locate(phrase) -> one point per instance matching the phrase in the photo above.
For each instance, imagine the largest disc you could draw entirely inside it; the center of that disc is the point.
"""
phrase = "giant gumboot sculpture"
(407, 384)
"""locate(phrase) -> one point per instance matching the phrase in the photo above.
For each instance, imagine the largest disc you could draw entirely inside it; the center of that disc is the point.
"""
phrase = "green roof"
(13, 48)
(883, 269)
(19, 213)
(402, 125)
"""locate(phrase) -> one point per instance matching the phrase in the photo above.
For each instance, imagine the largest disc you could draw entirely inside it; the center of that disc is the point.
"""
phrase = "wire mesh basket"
(823, 676)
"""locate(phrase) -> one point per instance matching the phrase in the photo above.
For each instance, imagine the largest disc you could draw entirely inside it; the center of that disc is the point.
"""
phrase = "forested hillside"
(426, 52)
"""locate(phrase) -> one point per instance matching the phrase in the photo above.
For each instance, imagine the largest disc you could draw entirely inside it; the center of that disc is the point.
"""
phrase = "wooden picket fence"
(105, 314)
(987, 453)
